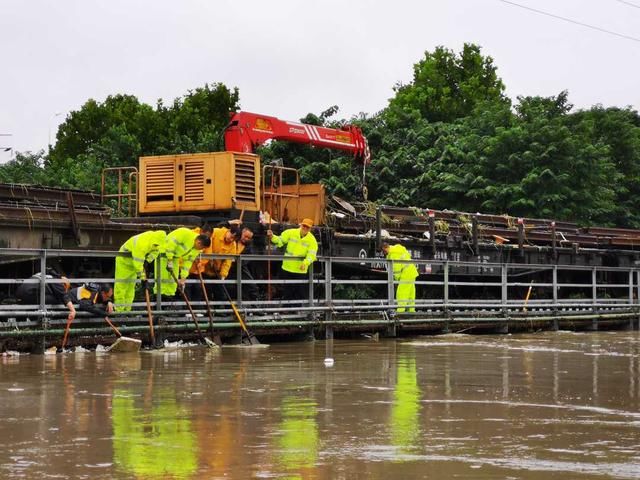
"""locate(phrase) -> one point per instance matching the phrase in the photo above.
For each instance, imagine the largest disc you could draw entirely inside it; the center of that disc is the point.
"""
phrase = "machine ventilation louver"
(193, 181)
(160, 182)
(245, 180)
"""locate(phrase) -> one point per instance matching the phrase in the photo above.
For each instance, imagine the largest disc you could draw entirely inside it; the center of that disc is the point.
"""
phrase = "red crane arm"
(248, 130)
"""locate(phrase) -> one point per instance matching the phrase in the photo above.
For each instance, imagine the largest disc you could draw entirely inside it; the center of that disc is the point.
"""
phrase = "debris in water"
(10, 353)
(125, 344)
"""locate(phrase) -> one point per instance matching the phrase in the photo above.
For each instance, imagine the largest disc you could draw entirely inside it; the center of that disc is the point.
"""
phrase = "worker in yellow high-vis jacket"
(143, 247)
(405, 273)
(194, 289)
(300, 242)
(181, 247)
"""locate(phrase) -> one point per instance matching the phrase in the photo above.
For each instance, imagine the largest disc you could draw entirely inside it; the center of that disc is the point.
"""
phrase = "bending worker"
(29, 292)
(223, 242)
(181, 246)
(143, 247)
(91, 297)
(300, 242)
(405, 273)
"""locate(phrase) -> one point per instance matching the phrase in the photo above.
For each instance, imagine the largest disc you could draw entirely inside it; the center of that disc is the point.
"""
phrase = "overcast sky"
(289, 57)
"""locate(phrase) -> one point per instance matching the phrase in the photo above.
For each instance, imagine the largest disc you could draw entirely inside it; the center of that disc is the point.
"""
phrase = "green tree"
(619, 130)
(119, 130)
(196, 121)
(541, 166)
(446, 87)
(25, 168)
(83, 129)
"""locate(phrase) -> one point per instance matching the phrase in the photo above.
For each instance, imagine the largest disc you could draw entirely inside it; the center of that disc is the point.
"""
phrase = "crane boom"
(248, 130)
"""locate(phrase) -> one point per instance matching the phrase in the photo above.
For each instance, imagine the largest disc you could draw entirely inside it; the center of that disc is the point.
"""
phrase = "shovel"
(216, 338)
(250, 336)
(122, 344)
(208, 342)
(151, 331)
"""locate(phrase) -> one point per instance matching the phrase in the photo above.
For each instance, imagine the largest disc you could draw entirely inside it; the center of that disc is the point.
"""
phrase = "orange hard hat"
(307, 222)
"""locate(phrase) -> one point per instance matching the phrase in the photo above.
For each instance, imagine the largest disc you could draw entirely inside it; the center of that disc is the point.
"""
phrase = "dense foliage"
(448, 139)
(117, 131)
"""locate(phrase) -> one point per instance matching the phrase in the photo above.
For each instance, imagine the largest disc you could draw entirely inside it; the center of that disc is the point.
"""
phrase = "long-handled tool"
(269, 261)
(148, 300)
(526, 299)
(208, 342)
(216, 338)
(250, 336)
(122, 344)
(66, 331)
(68, 328)
(115, 329)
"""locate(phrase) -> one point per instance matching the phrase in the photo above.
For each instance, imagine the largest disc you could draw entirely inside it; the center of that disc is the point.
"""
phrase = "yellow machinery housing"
(199, 182)
(218, 181)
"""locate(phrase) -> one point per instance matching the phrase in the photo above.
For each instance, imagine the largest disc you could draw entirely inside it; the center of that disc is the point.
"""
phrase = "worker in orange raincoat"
(223, 242)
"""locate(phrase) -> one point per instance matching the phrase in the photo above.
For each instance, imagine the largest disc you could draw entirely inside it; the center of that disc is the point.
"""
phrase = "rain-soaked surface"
(540, 406)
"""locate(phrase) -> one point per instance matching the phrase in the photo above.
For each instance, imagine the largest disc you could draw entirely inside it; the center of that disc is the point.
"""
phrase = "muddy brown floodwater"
(539, 406)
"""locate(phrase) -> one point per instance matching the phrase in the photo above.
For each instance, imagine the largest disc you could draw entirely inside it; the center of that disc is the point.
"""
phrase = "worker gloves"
(144, 283)
(169, 266)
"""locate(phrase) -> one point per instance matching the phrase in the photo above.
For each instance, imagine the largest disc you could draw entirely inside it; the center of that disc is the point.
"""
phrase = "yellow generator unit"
(197, 182)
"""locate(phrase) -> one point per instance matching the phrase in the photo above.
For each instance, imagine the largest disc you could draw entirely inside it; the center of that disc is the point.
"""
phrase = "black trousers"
(250, 291)
(295, 291)
(215, 292)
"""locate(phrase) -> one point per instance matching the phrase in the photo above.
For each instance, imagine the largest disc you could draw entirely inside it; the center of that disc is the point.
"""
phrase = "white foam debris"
(11, 353)
(178, 344)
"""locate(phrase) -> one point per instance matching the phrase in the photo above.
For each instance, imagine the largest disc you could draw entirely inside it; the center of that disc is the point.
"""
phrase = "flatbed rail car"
(45, 217)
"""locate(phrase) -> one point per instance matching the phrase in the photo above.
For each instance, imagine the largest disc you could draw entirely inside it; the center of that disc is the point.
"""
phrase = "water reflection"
(537, 407)
(297, 441)
(405, 409)
(152, 437)
(220, 434)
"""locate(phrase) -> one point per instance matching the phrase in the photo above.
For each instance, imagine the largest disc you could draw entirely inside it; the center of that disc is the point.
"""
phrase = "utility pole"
(53, 117)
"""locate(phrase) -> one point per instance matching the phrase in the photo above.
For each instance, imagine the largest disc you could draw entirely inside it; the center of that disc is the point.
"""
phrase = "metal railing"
(447, 292)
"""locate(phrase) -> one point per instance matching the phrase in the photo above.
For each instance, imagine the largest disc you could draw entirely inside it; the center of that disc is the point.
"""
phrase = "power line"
(575, 22)
(628, 3)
